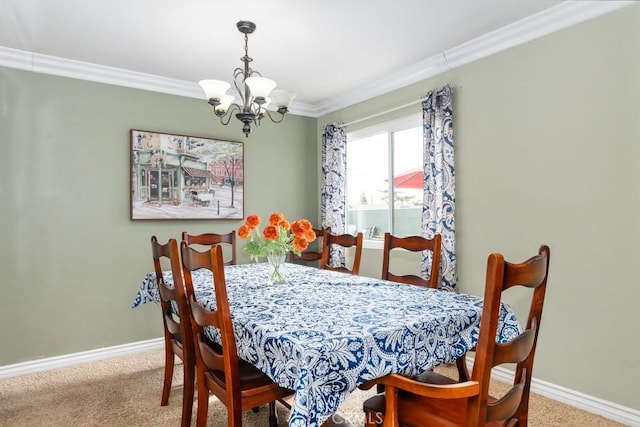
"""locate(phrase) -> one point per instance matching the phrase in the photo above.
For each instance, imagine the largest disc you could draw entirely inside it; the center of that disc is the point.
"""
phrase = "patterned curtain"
(438, 211)
(334, 179)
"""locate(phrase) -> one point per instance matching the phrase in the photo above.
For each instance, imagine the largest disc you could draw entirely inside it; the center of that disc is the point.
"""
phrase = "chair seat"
(251, 378)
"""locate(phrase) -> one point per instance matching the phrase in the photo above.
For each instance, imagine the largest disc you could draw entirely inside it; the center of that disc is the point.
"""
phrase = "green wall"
(547, 151)
(71, 260)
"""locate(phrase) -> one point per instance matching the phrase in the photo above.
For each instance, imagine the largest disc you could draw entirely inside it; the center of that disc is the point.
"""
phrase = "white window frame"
(389, 127)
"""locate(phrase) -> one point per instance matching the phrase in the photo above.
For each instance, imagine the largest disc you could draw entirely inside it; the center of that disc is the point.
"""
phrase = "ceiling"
(333, 53)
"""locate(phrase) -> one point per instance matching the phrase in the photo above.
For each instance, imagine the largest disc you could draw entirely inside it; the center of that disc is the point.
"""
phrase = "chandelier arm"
(228, 114)
(238, 81)
(277, 119)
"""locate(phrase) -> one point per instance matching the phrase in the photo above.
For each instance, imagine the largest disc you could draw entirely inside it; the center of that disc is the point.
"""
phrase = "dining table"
(323, 333)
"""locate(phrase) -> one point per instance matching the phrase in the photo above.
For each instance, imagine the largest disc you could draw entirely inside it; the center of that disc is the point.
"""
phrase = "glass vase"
(276, 262)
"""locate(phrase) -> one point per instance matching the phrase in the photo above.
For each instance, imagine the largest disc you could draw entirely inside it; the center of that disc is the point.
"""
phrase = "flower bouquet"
(277, 239)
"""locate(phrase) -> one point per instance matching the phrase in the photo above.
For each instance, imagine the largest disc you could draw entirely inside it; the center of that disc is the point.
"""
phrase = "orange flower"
(278, 237)
(271, 232)
(300, 243)
(276, 218)
(244, 231)
(253, 221)
(310, 235)
(297, 228)
(305, 224)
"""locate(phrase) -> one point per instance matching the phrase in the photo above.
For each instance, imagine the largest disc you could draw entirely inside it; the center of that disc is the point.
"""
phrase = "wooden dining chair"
(413, 244)
(431, 399)
(208, 239)
(345, 241)
(310, 255)
(178, 339)
(236, 383)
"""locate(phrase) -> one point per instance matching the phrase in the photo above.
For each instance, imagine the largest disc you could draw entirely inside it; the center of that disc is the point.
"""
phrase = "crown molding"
(63, 67)
(563, 15)
(46, 64)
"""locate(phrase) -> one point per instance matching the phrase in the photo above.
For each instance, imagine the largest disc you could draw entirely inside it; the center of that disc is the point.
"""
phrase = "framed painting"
(185, 177)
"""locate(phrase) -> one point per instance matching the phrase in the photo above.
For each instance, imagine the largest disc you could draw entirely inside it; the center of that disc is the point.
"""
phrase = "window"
(382, 161)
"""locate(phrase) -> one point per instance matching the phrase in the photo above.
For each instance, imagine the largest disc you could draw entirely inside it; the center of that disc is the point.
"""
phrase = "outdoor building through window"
(385, 179)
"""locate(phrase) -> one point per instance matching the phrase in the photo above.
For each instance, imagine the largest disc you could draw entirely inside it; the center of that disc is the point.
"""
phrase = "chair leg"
(169, 361)
(203, 402)
(234, 416)
(273, 419)
(187, 393)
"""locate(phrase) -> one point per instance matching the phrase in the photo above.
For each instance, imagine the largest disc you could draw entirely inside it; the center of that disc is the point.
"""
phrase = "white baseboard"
(49, 363)
(612, 411)
(594, 405)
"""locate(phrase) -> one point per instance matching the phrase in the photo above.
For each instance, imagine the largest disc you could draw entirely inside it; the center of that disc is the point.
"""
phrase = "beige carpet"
(126, 392)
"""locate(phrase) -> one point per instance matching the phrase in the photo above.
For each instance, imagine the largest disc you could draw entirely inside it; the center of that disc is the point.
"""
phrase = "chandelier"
(256, 92)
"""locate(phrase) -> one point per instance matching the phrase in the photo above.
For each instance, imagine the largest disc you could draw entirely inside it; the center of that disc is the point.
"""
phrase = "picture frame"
(183, 177)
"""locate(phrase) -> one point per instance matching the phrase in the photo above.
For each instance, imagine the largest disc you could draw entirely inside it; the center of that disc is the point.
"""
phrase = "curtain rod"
(383, 112)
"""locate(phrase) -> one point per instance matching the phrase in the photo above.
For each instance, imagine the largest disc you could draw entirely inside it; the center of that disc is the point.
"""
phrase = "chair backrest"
(211, 357)
(177, 326)
(413, 244)
(345, 241)
(503, 275)
(311, 255)
(432, 399)
(209, 239)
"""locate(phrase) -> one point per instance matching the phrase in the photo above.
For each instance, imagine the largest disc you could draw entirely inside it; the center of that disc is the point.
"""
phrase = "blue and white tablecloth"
(323, 333)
